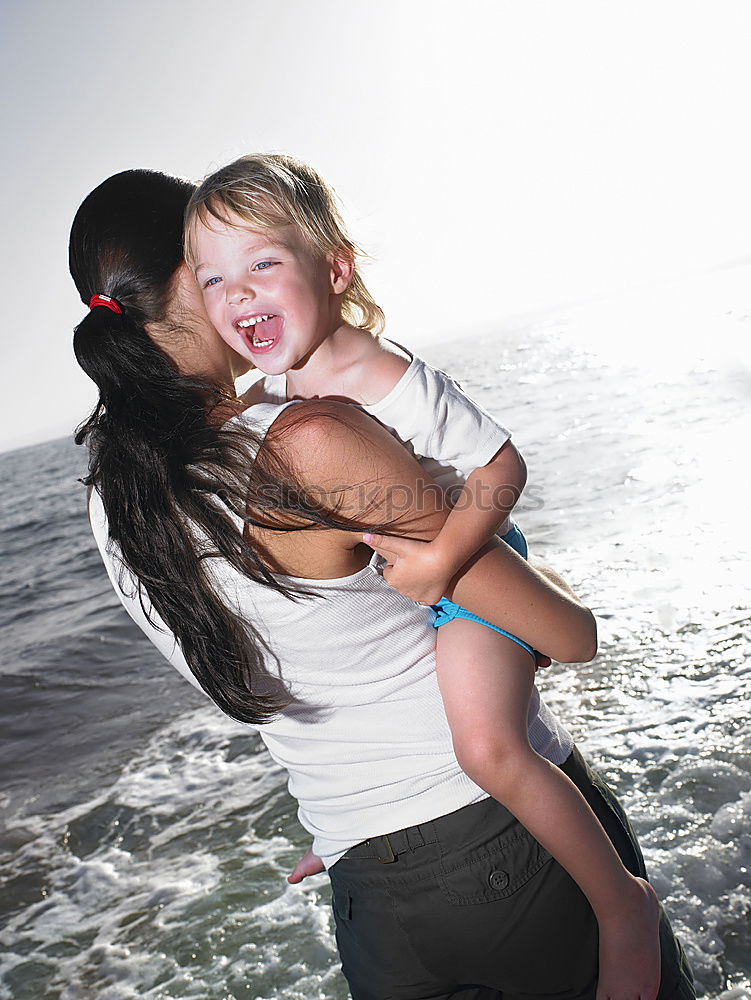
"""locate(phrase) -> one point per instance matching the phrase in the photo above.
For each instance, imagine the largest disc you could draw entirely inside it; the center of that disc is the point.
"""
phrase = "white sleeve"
(431, 413)
(126, 587)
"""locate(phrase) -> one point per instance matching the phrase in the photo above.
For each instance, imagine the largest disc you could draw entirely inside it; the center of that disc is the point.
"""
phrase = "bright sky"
(494, 157)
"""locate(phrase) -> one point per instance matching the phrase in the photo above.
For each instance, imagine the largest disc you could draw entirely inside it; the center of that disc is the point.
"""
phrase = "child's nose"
(241, 289)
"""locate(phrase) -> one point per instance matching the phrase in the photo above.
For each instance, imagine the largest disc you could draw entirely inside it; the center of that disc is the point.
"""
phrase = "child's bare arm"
(484, 503)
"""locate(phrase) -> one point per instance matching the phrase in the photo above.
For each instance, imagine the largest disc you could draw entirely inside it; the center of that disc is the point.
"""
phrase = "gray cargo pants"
(469, 906)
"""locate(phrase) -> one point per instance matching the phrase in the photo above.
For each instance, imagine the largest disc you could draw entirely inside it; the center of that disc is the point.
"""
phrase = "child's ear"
(342, 268)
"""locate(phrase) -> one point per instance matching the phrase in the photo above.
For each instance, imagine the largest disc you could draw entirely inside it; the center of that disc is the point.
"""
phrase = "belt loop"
(415, 838)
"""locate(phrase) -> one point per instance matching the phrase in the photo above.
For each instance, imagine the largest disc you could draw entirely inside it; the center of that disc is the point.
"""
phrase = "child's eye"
(264, 265)
(210, 282)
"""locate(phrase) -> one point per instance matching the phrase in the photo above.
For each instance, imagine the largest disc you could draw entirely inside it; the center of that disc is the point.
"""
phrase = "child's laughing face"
(269, 296)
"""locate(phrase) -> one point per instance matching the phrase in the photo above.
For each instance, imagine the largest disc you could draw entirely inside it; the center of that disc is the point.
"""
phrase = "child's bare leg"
(552, 575)
(486, 681)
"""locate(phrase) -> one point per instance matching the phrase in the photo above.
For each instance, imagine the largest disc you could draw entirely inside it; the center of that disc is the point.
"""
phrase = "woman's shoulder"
(321, 424)
(330, 443)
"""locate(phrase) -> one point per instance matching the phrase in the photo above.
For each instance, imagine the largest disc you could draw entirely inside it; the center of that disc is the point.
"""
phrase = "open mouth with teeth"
(262, 331)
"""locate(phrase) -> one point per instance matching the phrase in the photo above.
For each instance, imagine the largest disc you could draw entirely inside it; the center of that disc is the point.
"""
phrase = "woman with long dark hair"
(233, 535)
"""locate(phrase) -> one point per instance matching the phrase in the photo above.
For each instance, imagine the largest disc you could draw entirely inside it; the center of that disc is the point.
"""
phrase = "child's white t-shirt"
(448, 433)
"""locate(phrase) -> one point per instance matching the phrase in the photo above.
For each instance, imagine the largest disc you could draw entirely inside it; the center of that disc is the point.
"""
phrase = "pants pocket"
(341, 902)
(494, 871)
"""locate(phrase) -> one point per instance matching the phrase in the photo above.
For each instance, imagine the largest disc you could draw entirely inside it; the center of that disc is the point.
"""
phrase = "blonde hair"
(269, 190)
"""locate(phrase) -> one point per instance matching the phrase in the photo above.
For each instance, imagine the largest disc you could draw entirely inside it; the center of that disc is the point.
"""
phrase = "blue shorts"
(515, 538)
(446, 610)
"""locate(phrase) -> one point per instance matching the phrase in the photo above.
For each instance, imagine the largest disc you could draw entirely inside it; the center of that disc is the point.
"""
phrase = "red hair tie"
(107, 301)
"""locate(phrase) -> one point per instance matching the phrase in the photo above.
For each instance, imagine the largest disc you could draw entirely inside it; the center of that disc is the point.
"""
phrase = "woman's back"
(364, 737)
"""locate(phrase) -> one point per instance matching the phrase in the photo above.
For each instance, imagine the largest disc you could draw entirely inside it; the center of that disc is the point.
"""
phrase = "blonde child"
(279, 280)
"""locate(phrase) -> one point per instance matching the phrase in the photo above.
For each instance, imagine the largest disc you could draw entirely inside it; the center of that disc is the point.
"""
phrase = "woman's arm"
(353, 464)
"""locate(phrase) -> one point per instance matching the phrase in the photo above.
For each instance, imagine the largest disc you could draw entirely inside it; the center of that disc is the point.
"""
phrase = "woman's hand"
(309, 864)
(404, 554)
(416, 569)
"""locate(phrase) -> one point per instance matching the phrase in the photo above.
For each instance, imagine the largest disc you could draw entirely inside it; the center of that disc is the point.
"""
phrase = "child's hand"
(309, 864)
(416, 569)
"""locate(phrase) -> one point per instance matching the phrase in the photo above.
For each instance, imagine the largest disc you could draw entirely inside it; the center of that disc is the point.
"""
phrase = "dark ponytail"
(169, 475)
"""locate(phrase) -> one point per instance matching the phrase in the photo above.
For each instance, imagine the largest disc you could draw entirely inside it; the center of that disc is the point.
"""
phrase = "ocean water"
(145, 838)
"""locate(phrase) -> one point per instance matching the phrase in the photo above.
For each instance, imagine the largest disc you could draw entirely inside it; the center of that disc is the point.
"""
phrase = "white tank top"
(365, 739)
